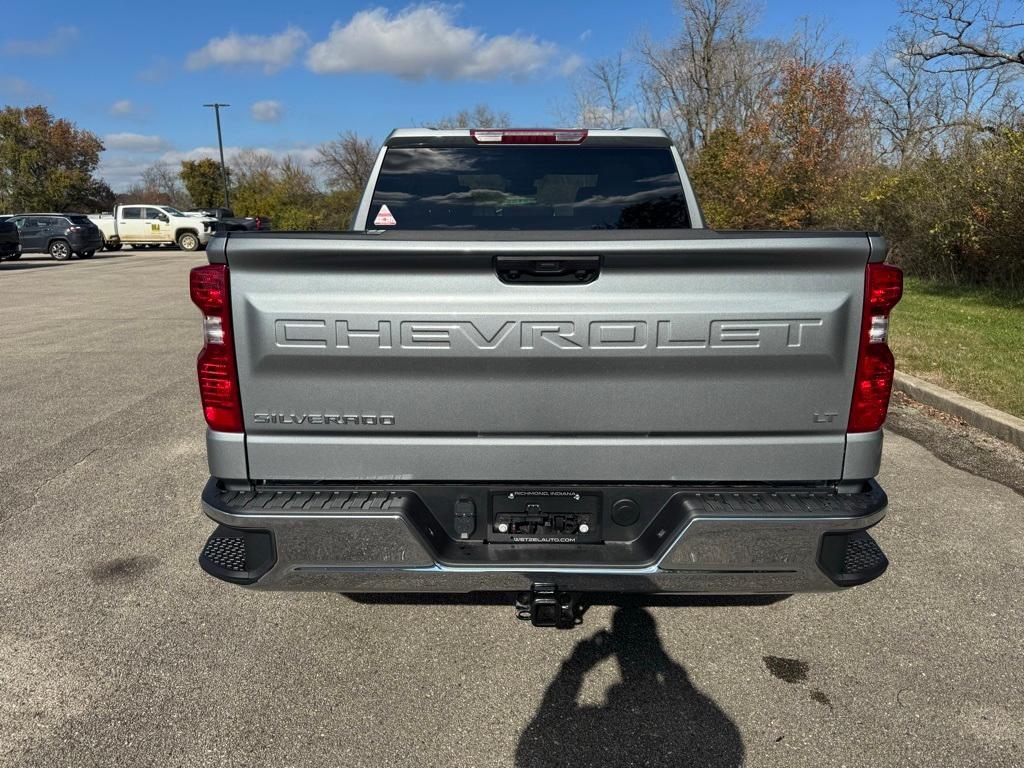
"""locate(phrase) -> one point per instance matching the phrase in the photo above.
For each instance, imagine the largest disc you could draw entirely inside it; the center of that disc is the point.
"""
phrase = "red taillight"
(883, 287)
(218, 375)
(209, 288)
(529, 136)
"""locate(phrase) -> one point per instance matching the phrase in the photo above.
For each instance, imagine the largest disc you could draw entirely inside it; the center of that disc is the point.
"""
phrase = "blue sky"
(296, 75)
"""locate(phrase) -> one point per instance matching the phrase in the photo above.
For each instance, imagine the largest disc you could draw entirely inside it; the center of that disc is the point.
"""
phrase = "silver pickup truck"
(532, 369)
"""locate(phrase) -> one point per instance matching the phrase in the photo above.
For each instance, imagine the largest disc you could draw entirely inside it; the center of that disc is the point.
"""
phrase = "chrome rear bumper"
(714, 548)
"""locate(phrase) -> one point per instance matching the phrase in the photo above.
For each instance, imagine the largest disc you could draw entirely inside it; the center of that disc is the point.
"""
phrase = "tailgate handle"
(549, 269)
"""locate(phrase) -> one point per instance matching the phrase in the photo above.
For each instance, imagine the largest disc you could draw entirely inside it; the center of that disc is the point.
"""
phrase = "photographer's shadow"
(653, 717)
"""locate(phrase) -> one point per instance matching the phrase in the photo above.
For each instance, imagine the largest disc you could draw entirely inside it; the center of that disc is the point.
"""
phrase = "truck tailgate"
(700, 357)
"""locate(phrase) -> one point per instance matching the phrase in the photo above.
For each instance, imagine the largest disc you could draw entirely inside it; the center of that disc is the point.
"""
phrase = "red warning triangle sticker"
(384, 218)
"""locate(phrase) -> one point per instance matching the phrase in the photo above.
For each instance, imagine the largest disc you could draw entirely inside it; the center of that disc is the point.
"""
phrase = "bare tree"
(712, 74)
(602, 96)
(251, 165)
(814, 45)
(159, 183)
(346, 162)
(907, 105)
(964, 35)
(480, 116)
(947, 75)
(976, 48)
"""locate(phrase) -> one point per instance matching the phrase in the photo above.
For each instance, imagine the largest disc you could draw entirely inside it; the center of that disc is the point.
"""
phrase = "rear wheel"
(188, 241)
(112, 246)
(60, 250)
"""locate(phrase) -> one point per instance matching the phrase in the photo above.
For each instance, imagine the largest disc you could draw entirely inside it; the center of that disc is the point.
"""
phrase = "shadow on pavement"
(16, 265)
(653, 717)
(20, 264)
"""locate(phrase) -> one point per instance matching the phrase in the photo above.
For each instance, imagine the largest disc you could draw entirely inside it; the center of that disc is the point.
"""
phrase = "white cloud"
(47, 46)
(135, 142)
(268, 111)
(18, 91)
(424, 41)
(122, 108)
(15, 86)
(157, 72)
(585, 35)
(272, 52)
(121, 170)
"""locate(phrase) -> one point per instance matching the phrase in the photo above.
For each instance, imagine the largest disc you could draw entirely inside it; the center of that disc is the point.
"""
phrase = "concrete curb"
(984, 417)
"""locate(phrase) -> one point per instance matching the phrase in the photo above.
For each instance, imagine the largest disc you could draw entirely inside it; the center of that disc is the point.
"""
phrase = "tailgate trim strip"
(800, 458)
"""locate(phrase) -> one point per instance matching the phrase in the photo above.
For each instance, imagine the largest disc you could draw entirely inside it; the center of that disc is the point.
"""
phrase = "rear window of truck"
(528, 187)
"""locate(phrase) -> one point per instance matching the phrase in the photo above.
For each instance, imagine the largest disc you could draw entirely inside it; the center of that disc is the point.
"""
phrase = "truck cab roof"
(628, 136)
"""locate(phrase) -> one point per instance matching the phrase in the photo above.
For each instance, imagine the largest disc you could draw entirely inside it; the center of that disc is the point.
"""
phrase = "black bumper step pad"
(227, 552)
(238, 555)
(796, 503)
(307, 501)
(853, 558)
(696, 502)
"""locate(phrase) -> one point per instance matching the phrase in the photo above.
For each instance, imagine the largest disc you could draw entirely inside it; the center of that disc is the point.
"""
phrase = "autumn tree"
(925, 144)
(786, 167)
(957, 218)
(287, 192)
(93, 197)
(256, 186)
(204, 181)
(47, 163)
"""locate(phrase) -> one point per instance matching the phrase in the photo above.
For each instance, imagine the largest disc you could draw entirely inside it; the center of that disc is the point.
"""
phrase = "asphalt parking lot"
(115, 649)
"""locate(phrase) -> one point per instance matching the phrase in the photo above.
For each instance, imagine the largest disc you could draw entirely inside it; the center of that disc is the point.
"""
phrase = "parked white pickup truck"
(152, 225)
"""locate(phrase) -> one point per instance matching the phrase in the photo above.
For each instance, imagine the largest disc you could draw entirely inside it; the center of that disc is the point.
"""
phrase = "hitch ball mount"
(545, 606)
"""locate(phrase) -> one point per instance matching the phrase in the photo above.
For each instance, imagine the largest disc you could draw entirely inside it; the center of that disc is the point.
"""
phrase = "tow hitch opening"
(545, 606)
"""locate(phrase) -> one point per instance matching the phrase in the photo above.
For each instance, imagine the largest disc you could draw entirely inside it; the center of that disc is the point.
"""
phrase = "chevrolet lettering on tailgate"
(596, 335)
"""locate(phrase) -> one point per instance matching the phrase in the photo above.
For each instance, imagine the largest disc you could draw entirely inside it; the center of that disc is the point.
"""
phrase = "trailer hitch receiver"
(545, 606)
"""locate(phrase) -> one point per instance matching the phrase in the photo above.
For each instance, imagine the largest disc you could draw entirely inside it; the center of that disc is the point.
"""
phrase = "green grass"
(969, 340)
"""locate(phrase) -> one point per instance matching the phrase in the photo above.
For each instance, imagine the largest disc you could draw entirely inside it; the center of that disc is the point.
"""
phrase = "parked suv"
(62, 235)
(10, 243)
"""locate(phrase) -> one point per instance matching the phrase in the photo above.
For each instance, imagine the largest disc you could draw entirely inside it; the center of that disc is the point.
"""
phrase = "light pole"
(220, 144)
